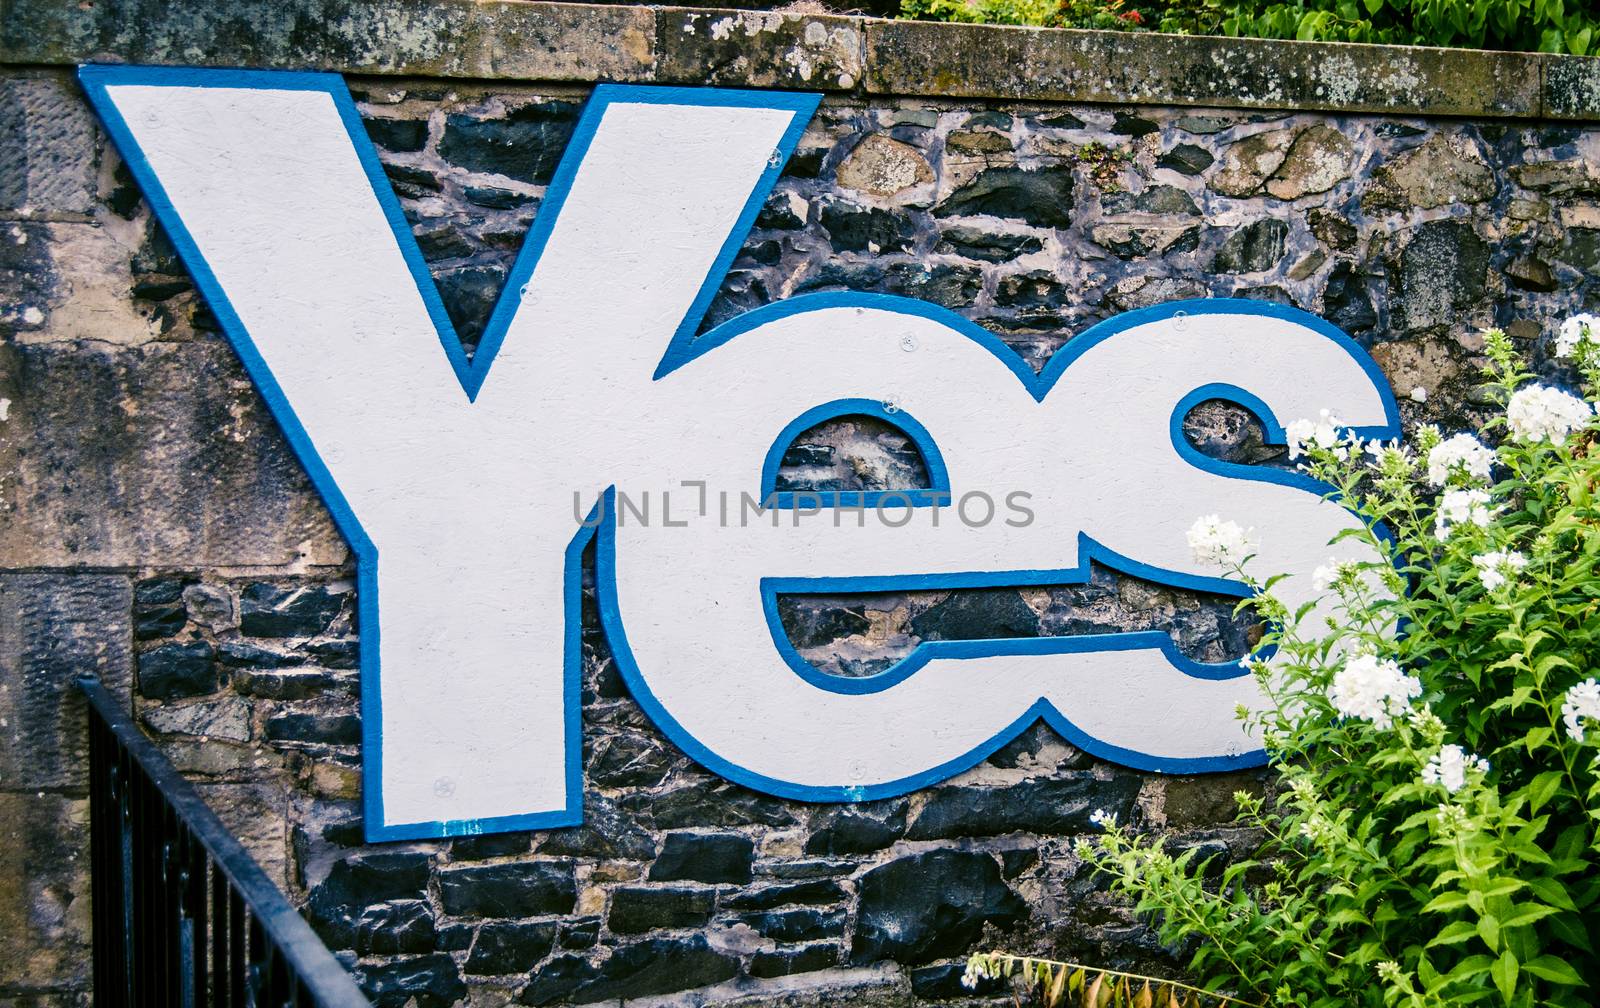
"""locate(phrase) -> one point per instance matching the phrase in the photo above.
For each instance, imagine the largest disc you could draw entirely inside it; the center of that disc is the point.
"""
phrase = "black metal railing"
(183, 916)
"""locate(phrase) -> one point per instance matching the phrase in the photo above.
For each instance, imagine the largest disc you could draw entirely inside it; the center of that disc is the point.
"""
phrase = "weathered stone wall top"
(511, 39)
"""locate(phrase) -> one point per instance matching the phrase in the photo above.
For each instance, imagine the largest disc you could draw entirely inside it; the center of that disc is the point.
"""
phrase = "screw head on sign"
(908, 343)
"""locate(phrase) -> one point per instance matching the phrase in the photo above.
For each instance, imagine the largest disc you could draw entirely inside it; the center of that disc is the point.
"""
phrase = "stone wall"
(158, 532)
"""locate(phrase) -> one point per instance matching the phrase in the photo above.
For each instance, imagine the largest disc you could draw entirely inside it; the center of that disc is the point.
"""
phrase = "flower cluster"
(1580, 708)
(1460, 455)
(1449, 767)
(1461, 507)
(1320, 433)
(1496, 566)
(1220, 542)
(1577, 331)
(1103, 819)
(1373, 690)
(1334, 573)
(1540, 413)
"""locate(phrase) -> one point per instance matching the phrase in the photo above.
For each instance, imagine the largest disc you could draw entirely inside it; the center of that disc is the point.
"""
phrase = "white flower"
(1322, 432)
(1216, 541)
(1495, 566)
(1332, 572)
(1541, 413)
(1450, 766)
(1575, 331)
(1580, 708)
(1372, 689)
(1103, 819)
(1419, 394)
(1461, 507)
(1460, 455)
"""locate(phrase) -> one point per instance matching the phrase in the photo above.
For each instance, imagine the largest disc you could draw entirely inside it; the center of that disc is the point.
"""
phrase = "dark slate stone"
(977, 615)
(711, 802)
(397, 134)
(505, 947)
(1186, 159)
(932, 905)
(1331, 228)
(357, 882)
(455, 937)
(432, 980)
(579, 934)
(850, 275)
(1062, 120)
(976, 243)
(1127, 124)
(1164, 199)
(767, 252)
(606, 833)
(557, 979)
(237, 654)
(439, 240)
(1443, 272)
(1017, 860)
(813, 891)
(848, 831)
(812, 625)
(494, 198)
(1048, 806)
(704, 857)
(627, 760)
(340, 654)
(411, 183)
(344, 833)
(776, 215)
(859, 229)
(290, 684)
(526, 145)
(988, 118)
(1042, 197)
(805, 162)
(805, 924)
(787, 962)
(327, 729)
(151, 622)
(1345, 301)
(469, 294)
(808, 868)
(636, 909)
(799, 455)
(656, 966)
(177, 670)
(267, 610)
(402, 927)
(951, 286)
(1253, 248)
(168, 590)
(490, 845)
(1035, 289)
(518, 889)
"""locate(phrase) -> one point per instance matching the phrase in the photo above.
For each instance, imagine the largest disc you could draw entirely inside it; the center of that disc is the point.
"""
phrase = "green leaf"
(1457, 932)
(1504, 973)
(1557, 971)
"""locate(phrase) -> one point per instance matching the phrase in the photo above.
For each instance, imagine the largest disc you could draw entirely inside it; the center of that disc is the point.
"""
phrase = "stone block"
(111, 448)
(55, 628)
(814, 52)
(518, 889)
(704, 857)
(636, 909)
(442, 38)
(1049, 806)
(505, 947)
(931, 905)
(987, 61)
(44, 891)
(48, 145)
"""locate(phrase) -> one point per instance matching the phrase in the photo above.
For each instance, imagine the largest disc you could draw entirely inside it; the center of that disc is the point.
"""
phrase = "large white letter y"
(453, 481)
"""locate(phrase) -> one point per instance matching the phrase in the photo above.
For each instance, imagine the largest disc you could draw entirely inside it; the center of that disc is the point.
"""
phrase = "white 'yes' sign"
(453, 479)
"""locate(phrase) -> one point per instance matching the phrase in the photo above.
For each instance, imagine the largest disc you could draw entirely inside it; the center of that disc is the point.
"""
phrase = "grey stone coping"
(557, 42)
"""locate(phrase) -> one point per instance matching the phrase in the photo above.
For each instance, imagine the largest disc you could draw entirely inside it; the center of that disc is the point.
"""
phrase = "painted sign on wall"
(592, 412)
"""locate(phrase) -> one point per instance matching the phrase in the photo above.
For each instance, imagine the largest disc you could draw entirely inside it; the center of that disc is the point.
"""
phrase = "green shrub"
(1435, 731)
(1562, 26)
